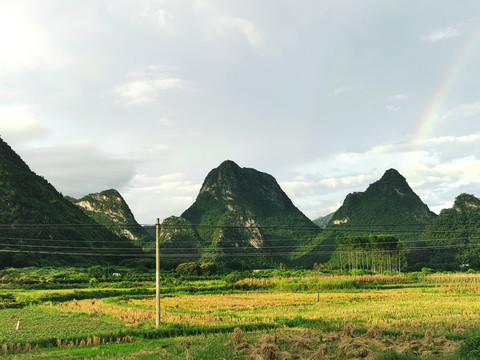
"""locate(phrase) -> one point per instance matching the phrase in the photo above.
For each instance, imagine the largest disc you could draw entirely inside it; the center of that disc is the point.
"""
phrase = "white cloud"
(146, 84)
(9, 93)
(462, 111)
(344, 89)
(163, 16)
(222, 24)
(157, 16)
(26, 43)
(398, 97)
(392, 108)
(19, 123)
(455, 139)
(298, 188)
(427, 143)
(154, 152)
(346, 180)
(464, 169)
(79, 168)
(442, 34)
(447, 32)
(147, 196)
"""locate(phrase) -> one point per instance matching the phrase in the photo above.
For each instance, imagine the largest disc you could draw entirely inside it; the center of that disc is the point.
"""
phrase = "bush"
(208, 268)
(96, 272)
(233, 277)
(426, 270)
(190, 268)
(93, 282)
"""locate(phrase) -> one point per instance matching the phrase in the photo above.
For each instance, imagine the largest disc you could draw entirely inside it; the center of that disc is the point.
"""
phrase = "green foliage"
(30, 205)
(96, 272)
(108, 208)
(208, 268)
(177, 232)
(393, 355)
(142, 263)
(470, 349)
(323, 221)
(375, 253)
(190, 268)
(235, 276)
(246, 212)
(426, 270)
(456, 233)
(388, 205)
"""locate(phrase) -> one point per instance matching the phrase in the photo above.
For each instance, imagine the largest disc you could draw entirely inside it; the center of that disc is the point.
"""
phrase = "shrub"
(190, 268)
(233, 277)
(426, 270)
(96, 272)
(93, 282)
(208, 268)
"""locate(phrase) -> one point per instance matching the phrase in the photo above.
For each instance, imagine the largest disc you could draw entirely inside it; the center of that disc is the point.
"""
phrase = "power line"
(215, 252)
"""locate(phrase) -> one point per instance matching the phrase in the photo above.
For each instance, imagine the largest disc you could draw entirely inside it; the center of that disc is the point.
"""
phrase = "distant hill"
(388, 206)
(40, 227)
(323, 221)
(454, 236)
(387, 202)
(247, 220)
(109, 208)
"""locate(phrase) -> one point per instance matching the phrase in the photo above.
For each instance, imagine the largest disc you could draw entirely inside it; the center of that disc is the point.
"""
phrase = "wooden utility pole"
(157, 279)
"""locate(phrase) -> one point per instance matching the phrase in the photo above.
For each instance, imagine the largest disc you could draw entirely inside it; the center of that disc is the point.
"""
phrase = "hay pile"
(302, 344)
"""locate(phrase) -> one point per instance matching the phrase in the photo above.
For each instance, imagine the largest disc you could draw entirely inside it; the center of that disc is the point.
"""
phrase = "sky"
(148, 96)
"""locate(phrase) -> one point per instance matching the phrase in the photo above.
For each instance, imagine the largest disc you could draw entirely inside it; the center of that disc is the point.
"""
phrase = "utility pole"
(157, 279)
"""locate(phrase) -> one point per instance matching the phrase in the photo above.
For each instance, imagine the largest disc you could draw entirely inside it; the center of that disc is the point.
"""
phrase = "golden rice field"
(444, 309)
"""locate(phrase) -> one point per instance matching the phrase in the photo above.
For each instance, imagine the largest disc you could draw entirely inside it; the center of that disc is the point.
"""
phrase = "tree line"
(377, 253)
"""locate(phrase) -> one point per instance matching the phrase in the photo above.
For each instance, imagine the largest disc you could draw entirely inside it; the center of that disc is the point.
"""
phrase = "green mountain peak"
(240, 207)
(39, 220)
(388, 201)
(110, 209)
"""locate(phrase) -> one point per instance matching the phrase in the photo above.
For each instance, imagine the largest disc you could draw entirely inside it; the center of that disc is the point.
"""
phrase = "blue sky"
(147, 96)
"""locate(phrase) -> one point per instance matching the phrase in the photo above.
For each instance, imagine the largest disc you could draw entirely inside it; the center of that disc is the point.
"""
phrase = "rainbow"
(431, 115)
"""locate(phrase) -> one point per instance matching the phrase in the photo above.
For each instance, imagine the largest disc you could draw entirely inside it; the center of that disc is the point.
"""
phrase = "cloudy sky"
(147, 96)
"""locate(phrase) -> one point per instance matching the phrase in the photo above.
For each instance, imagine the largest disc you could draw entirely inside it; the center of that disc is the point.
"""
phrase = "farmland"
(266, 315)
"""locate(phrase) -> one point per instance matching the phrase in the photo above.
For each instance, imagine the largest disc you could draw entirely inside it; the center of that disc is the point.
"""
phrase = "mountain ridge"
(38, 219)
(243, 205)
(110, 209)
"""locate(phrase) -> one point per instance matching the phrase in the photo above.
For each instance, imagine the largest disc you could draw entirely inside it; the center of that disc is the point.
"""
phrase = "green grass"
(43, 326)
(201, 315)
(202, 347)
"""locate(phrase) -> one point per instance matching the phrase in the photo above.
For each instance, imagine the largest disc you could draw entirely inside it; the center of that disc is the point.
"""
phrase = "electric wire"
(222, 251)
(195, 255)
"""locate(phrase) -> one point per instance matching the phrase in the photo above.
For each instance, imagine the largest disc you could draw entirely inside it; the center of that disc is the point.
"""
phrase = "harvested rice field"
(435, 318)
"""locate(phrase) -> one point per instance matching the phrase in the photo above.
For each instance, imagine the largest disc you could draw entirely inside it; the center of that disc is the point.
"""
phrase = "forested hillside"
(453, 237)
(388, 206)
(39, 226)
(109, 208)
(244, 212)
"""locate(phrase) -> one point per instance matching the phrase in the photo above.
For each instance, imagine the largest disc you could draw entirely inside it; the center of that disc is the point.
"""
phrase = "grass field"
(309, 317)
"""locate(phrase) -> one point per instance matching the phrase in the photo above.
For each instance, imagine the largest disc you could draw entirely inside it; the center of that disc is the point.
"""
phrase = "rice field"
(406, 315)
(397, 310)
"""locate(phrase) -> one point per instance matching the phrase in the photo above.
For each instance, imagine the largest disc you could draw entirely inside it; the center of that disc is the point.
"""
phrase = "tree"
(378, 253)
